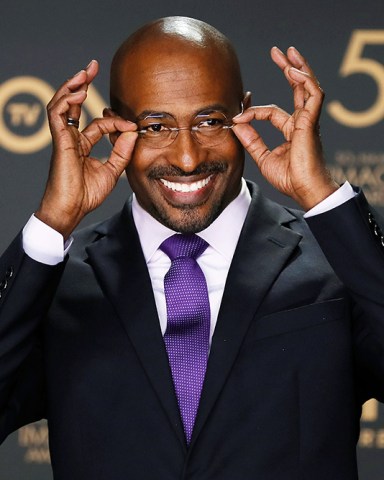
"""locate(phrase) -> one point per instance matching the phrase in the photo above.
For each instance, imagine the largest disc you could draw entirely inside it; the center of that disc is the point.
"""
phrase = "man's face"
(185, 185)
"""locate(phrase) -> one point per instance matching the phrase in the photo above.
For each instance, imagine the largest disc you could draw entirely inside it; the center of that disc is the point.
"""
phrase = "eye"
(153, 129)
(213, 121)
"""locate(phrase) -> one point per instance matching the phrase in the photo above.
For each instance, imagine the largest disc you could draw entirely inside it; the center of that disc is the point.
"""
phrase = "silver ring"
(72, 122)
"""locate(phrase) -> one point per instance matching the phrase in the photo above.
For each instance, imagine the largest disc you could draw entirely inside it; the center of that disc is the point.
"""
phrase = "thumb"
(122, 151)
(251, 141)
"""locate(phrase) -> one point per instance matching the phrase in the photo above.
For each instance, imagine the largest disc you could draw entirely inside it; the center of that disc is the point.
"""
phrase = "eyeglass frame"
(192, 128)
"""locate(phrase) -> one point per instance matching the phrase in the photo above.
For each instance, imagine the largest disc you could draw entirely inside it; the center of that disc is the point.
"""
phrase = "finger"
(90, 73)
(315, 96)
(104, 126)
(300, 96)
(302, 90)
(122, 152)
(293, 58)
(272, 113)
(92, 70)
(252, 142)
(298, 61)
(79, 82)
(72, 85)
(109, 113)
(58, 115)
(280, 58)
(285, 63)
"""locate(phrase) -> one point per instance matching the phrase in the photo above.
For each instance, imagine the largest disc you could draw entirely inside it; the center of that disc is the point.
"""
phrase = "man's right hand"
(78, 183)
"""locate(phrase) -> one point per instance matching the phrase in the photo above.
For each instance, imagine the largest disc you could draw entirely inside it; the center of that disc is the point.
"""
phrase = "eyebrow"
(205, 110)
(152, 114)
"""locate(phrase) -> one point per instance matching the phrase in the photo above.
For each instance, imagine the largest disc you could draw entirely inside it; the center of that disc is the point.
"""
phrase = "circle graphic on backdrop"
(43, 92)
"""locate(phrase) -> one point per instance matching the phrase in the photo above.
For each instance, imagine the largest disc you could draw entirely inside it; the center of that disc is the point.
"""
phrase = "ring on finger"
(72, 122)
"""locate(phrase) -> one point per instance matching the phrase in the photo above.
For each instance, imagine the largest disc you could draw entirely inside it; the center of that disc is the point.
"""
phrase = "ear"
(247, 101)
(108, 112)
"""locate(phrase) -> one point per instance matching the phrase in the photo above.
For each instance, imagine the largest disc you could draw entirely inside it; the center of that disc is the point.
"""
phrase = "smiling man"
(191, 72)
(203, 332)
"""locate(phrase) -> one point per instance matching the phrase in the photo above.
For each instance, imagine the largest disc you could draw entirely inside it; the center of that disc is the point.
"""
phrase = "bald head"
(188, 29)
(174, 38)
(175, 74)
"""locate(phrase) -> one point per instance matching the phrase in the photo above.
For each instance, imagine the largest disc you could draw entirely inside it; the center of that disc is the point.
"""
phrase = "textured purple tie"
(187, 334)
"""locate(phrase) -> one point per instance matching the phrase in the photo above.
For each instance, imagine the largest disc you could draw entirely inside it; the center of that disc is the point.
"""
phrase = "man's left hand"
(296, 167)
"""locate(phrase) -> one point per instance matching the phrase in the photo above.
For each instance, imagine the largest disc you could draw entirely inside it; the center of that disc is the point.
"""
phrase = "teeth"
(186, 187)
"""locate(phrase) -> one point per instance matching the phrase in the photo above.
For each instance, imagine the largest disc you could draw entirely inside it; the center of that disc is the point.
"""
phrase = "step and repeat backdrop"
(42, 43)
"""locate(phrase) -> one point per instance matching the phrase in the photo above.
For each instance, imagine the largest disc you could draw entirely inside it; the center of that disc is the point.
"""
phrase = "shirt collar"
(222, 234)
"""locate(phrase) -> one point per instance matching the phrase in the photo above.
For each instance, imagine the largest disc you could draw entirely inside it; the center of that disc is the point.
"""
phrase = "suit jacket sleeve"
(351, 238)
(26, 290)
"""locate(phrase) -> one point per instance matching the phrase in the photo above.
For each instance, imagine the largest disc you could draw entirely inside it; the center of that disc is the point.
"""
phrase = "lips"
(186, 187)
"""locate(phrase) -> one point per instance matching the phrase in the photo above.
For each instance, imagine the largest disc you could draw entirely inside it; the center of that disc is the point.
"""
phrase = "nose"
(186, 152)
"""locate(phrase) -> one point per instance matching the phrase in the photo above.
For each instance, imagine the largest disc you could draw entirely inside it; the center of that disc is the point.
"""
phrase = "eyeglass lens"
(160, 130)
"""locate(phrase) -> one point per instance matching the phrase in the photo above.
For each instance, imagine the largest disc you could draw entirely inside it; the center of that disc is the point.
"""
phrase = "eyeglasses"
(159, 130)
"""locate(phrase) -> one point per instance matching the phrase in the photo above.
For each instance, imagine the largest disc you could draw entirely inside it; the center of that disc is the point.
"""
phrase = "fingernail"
(278, 49)
(78, 73)
(89, 64)
(298, 71)
(238, 115)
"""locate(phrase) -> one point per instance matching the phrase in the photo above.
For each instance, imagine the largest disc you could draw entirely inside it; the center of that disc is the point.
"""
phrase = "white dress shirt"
(222, 236)
(45, 245)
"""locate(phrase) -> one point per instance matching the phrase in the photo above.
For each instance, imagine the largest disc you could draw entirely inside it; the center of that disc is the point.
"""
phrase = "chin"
(188, 219)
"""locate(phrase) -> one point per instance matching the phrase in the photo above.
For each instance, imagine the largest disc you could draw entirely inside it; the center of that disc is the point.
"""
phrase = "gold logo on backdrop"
(34, 438)
(365, 169)
(23, 113)
(371, 435)
(23, 120)
(355, 62)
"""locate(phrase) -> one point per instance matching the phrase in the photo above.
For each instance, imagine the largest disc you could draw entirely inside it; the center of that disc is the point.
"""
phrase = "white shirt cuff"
(44, 244)
(342, 195)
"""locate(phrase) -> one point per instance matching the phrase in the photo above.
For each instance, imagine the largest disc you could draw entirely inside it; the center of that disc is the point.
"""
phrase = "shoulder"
(88, 235)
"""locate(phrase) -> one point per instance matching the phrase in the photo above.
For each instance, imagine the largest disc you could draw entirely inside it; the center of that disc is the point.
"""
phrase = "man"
(295, 334)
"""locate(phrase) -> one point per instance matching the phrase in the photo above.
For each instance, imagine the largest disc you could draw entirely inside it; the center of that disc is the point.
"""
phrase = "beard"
(187, 218)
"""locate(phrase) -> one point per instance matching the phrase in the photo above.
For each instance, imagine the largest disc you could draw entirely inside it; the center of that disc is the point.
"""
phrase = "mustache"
(173, 171)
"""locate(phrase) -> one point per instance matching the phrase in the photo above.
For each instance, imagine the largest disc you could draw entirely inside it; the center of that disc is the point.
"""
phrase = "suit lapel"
(117, 259)
(264, 247)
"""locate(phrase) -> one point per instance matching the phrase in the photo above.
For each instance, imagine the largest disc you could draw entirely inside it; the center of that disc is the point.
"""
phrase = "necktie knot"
(183, 245)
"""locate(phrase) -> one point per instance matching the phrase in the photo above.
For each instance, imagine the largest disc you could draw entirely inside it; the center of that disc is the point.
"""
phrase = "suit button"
(377, 231)
(3, 285)
(9, 273)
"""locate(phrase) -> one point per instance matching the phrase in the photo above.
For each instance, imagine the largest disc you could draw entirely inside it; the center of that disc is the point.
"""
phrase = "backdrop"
(44, 42)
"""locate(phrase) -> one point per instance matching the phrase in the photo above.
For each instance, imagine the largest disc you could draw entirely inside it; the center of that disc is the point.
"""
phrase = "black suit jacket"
(297, 349)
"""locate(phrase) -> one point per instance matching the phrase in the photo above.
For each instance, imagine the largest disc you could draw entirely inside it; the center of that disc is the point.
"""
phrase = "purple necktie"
(188, 313)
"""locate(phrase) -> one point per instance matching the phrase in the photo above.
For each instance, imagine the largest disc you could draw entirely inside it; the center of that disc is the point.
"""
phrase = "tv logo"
(23, 120)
